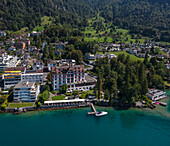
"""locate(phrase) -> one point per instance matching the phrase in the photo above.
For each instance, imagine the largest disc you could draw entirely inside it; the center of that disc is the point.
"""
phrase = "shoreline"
(114, 106)
(75, 107)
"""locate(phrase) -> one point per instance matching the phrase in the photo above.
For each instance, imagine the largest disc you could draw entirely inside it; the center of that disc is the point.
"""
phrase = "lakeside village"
(39, 75)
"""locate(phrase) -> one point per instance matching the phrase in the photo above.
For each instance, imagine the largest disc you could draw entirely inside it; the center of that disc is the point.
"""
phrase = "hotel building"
(72, 75)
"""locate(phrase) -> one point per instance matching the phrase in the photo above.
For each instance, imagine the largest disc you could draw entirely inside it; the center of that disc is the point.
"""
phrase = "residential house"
(3, 52)
(26, 41)
(98, 55)
(59, 46)
(155, 94)
(34, 33)
(43, 46)
(12, 48)
(19, 52)
(35, 52)
(8, 42)
(52, 63)
(26, 56)
(38, 64)
(8, 61)
(20, 45)
(110, 56)
(28, 34)
(1, 44)
(89, 56)
(26, 63)
(31, 48)
(2, 33)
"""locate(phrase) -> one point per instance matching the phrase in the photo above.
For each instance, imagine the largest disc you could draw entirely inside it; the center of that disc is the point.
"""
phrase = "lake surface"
(75, 128)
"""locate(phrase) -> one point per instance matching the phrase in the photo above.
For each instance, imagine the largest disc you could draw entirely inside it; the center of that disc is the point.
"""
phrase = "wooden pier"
(94, 110)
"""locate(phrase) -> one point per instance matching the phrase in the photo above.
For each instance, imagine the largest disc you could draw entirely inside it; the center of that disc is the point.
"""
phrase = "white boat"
(101, 113)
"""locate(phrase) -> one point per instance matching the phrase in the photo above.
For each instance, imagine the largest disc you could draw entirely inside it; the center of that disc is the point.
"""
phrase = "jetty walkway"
(94, 110)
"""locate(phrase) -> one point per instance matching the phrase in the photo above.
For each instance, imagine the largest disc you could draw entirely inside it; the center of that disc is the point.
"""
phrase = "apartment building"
(8, 61)
(26, 91)
(12, 76)
(33, 76)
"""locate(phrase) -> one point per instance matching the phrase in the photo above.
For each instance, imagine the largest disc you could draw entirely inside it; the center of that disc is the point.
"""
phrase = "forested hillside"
(149, 18)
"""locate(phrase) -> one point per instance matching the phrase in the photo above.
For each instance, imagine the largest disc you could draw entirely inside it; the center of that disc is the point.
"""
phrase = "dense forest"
(149, 18)
(128, 81)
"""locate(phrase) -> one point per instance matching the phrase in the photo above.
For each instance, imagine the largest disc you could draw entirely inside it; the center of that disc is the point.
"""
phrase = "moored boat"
(101, 113)
(163, 103)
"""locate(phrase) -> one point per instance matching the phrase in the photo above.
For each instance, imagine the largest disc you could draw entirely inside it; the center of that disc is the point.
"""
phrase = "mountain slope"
(147, 17)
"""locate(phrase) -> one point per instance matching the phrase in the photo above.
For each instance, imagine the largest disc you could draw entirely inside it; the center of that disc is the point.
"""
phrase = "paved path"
(51, 95)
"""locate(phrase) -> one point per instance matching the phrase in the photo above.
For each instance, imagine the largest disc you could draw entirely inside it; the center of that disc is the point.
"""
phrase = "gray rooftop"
(89, 79)
(24, 85)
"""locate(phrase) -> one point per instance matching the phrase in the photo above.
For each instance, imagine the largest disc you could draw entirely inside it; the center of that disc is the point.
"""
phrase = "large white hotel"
(72, 75)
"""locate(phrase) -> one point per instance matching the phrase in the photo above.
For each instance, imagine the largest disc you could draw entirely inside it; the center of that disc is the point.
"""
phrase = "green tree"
(144, 86)
(113, 89)
(46, 87)
(75, 92)
(2, 99)
(99, 85)
(49, 77)
(44, 96)
(157, 82)
(107, 94)
(64, 88)
(77, 55)
(146, 59)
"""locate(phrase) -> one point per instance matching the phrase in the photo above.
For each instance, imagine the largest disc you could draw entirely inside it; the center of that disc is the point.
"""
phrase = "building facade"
(90, 56)
(2, 33)
(69, 75)
(155, 94)
(12, 76)
(73, 76)
(52, 63)
(33, 76)
(8, 61)
(20, 45)
(26, 91)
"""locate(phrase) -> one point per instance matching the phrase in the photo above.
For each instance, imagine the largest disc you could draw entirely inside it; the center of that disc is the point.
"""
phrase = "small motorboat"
(101, 113)
(163, 103)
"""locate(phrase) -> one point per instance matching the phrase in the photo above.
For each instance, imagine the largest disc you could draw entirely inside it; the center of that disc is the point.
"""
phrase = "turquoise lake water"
(73, 127)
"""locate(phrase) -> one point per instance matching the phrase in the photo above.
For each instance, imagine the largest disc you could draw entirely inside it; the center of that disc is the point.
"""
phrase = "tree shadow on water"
(118, 108)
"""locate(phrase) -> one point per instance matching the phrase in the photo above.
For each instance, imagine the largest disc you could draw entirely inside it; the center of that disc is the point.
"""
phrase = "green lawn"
(45, 21)
(21, 31)
(18, 105)
(167, 83)
(163, 53)
(99, 36)
(168, 43)
(132, 57)
(59, 97)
